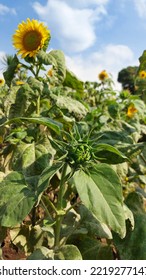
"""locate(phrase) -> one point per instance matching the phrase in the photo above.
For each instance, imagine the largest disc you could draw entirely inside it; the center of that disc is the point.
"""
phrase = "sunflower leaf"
(10, 72)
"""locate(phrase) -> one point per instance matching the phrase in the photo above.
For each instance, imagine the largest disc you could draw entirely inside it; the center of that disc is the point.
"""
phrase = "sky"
(94, 35)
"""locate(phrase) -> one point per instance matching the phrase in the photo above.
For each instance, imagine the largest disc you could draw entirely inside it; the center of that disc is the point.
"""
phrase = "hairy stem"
(38, 106)
(60, 206)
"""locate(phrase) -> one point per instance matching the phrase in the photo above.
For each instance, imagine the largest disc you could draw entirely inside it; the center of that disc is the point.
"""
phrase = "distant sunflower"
(19, 83)
(142, 74)
(103, 75)
(131, 111)
(2, 82)
(30, 37)
(50, 72)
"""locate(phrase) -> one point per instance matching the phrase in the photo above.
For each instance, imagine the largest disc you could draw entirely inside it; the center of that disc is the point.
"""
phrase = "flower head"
(50, 72)
(103, 75)
(30, 37)
(142, 74)
(2, 82)
(19, 83)
(131, 111)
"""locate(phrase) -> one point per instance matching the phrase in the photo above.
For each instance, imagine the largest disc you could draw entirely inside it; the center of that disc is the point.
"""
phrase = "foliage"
(72, 157)
(127, 78)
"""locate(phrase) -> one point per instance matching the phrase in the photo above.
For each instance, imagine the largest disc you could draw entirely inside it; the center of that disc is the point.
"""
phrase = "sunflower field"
(72, 158)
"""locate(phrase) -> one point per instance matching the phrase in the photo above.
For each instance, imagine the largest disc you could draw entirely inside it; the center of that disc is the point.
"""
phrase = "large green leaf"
(93, 249)
(108, 154)
(35, 84)
(142, 60)
(135, 240)
(19, 191)
(73, 82)
(10, 72)
(46, 176)
(92, 225)
(113, 138)
(22, 102)
(74, 107)
(101, 193)
(59, 67)
(50, 123)
(57, 60)
(16, 199)
(46, 58)
(31, 158)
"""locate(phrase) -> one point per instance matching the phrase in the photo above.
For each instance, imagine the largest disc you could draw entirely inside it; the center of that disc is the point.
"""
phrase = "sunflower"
(50, 72)
(142, 74)
(2, 82)
(19, 83)
(131, 111)
(103, 75)
(30, 37)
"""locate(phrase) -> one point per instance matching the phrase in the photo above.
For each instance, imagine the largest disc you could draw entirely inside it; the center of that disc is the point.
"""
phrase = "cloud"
(73, 26)
(86, 3)
(111, 58)
(140, 6)
(2, 55)
(6, 10)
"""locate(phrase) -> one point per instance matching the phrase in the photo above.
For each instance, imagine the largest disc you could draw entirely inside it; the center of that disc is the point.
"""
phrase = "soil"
(10, 251)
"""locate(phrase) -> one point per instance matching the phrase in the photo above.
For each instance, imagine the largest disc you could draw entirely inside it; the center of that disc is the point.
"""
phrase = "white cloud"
(111, 58)
(140, 6)
(2, 55)
(86, 3)
(72, 26)
(6, 10)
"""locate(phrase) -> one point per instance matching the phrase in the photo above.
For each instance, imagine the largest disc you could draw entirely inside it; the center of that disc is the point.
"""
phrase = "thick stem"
(60, 206)
(33, 218)
(61, 188)
(50, 204)
(38, 106)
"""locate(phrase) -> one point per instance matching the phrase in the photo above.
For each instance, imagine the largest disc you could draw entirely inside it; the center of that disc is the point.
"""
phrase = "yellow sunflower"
(131, 111)
(142, 74)
(19, 83)
(50, 72)
(2, 82)
(103, 75)
(30, 37)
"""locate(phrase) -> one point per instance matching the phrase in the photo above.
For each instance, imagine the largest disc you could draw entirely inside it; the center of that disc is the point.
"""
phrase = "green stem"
(33, 219)
(60, 214)
(50, 204)
(38, 70)
(61, 188)
(72, 206)
(45, 208)
(38, 106)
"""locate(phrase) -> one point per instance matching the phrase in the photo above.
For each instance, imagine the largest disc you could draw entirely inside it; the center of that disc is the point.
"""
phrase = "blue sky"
(93, 34)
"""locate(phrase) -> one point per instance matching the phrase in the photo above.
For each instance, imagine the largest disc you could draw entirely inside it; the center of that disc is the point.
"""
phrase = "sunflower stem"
(60, 215)
(38, 106)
